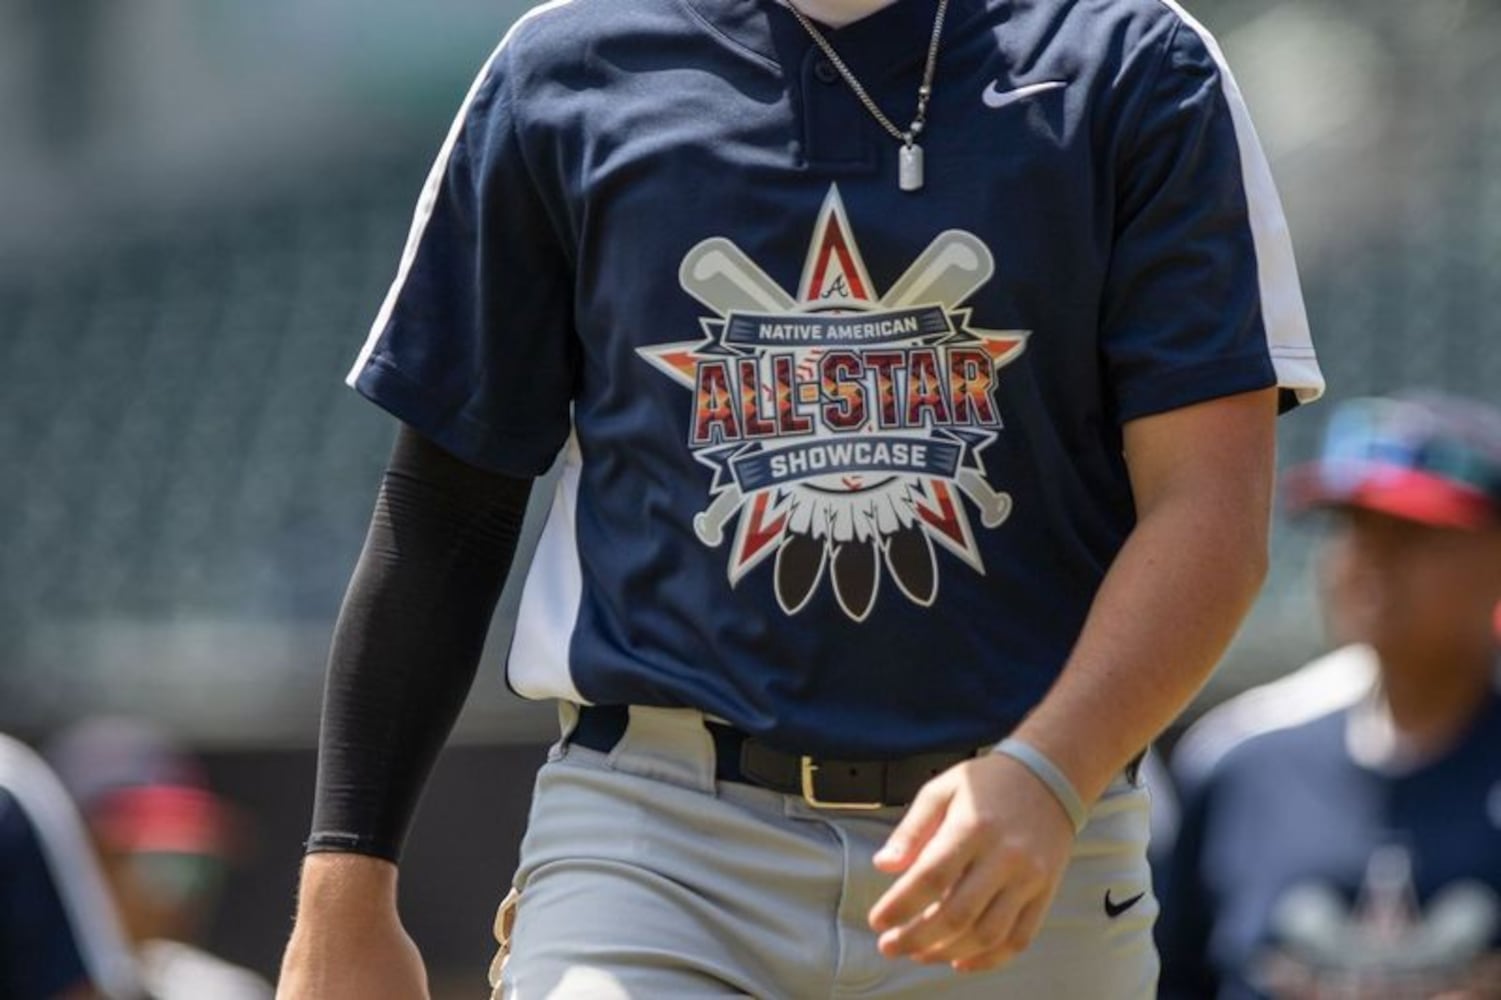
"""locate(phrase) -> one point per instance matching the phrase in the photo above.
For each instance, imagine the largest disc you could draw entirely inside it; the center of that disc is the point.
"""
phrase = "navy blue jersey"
(1298, 869)
(39, 951)
(58, 930)
(842, 463)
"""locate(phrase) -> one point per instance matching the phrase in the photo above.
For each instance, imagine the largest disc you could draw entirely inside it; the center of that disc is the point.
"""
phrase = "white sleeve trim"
(74, 869)
(1331, 683)
(1289, 341)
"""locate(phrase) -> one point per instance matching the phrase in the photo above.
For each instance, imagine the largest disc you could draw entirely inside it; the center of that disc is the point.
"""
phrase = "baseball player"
(913, 368)
(1342, 826)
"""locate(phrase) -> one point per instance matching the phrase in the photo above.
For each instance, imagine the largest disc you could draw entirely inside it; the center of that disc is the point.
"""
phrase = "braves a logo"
(842, 426)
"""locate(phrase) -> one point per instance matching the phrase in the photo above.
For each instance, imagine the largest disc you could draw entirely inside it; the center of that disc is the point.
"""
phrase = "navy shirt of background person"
(58, 931)
(1341, 828)
(1293, 853)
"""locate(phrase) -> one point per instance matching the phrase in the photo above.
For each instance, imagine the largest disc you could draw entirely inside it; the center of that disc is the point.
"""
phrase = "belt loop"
(568, 723)
(670, 744)
(568, 718)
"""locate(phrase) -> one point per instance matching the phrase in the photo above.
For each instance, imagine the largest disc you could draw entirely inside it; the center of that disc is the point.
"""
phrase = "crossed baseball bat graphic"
(722, 277)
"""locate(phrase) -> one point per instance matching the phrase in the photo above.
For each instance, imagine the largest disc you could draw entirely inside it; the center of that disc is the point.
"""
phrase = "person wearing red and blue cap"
(1342, 826)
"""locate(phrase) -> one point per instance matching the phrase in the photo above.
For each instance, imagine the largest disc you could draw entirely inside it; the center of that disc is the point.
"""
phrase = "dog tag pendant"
(909, 167)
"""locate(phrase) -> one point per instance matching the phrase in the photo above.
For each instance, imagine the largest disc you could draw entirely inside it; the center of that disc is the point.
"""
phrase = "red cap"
(1410, 494)
(139, 790)
(1431, 459)
(162, 818)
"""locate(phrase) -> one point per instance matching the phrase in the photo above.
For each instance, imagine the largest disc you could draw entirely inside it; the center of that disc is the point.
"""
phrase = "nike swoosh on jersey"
(994, 98)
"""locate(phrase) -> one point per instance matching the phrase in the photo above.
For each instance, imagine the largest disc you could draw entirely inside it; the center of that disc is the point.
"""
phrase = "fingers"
(981, 915)
(916, 828)
(973, 880)
(954, 919)
(927, 881)
(1001, 934)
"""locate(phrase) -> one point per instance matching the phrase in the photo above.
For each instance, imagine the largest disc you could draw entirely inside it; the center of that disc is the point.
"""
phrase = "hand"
(348, 942)
(980, 854)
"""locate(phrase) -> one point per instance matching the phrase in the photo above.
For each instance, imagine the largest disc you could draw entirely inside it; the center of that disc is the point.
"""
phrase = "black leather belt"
(821, 781)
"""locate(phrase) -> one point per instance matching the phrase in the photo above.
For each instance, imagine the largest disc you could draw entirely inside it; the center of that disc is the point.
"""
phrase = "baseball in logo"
(844, 428)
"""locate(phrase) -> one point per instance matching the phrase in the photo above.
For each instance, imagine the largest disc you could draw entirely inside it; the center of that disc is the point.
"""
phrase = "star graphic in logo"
(844, 427)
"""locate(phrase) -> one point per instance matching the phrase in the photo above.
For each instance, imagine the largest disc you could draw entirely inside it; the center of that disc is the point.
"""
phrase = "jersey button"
(825, 71)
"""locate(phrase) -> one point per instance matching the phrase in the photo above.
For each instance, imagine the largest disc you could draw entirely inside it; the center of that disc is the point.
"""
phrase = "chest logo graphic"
(844, 428)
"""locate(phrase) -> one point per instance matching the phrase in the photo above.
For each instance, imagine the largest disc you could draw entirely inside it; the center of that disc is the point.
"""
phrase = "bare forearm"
(1167, 609)
(1178, 589)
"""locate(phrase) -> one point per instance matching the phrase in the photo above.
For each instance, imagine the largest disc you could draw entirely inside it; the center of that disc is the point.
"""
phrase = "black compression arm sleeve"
(408, 640)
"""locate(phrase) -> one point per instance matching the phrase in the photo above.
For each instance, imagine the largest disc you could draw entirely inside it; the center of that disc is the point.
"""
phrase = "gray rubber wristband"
(1047, 772)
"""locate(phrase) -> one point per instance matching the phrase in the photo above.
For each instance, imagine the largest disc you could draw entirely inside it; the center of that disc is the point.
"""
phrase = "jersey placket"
(834, 126)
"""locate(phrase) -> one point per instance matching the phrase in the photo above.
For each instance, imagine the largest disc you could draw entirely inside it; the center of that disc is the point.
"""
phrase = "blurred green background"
(201, 205)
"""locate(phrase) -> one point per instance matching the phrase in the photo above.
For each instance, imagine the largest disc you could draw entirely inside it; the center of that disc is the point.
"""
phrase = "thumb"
(916, 828)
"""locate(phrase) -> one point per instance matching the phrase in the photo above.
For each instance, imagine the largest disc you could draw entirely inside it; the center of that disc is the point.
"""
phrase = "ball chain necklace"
(909, 157)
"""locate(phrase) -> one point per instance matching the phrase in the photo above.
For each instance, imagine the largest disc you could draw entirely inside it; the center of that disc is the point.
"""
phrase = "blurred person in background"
(59, 935)
(163, 840)
(1342, 826)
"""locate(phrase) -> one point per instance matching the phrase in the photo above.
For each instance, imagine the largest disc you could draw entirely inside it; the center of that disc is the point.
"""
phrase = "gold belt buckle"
(808, 767)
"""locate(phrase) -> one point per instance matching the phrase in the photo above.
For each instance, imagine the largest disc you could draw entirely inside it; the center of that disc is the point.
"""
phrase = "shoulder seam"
(530, 17)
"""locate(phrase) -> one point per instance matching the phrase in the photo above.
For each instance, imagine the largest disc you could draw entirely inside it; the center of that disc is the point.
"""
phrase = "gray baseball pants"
(642, 877)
